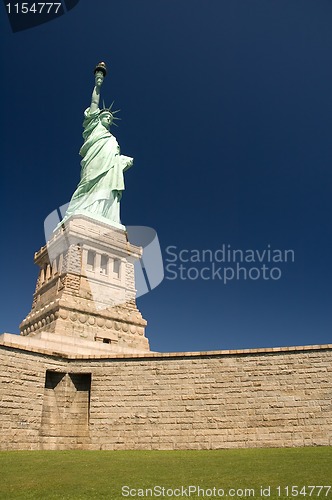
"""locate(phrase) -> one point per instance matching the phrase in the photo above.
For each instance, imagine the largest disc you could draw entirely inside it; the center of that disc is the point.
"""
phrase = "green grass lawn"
(102, 474)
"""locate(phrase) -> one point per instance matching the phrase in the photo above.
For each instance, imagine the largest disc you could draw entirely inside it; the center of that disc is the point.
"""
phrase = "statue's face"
(106, 120)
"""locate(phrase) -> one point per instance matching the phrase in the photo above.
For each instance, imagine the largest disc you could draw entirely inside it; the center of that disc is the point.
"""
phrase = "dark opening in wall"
(66, 404)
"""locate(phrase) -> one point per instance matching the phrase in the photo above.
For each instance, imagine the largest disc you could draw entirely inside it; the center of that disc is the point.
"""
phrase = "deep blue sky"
(226, 107)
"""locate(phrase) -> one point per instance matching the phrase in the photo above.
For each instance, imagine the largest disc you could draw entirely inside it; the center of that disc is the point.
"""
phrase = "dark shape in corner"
(22, 18)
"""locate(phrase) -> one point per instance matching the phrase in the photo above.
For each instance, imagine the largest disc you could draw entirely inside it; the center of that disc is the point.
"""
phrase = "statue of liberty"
(102, 181)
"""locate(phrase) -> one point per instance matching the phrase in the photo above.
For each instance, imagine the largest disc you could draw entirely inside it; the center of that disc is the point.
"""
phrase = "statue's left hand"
(117, 194)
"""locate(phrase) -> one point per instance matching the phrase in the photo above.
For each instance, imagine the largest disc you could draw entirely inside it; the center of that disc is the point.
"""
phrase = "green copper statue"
(102, 181)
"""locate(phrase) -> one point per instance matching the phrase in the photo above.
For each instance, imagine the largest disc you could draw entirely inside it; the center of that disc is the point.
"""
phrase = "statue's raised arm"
(100, 73)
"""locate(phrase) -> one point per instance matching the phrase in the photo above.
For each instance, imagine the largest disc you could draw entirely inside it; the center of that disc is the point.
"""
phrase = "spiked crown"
(111, 111)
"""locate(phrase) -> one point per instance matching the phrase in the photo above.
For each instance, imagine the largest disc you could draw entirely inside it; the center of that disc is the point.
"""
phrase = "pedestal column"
(86, 286)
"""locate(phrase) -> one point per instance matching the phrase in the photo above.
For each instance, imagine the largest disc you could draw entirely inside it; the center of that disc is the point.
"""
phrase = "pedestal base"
(86, 286)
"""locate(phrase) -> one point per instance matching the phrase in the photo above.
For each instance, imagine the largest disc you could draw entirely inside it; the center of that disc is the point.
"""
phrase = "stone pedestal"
(86, 287)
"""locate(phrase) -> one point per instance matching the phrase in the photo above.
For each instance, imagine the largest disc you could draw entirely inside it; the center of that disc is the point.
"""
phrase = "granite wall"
(223, 399)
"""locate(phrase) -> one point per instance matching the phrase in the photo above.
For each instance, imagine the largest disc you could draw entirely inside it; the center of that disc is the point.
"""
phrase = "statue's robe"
(102, 181)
